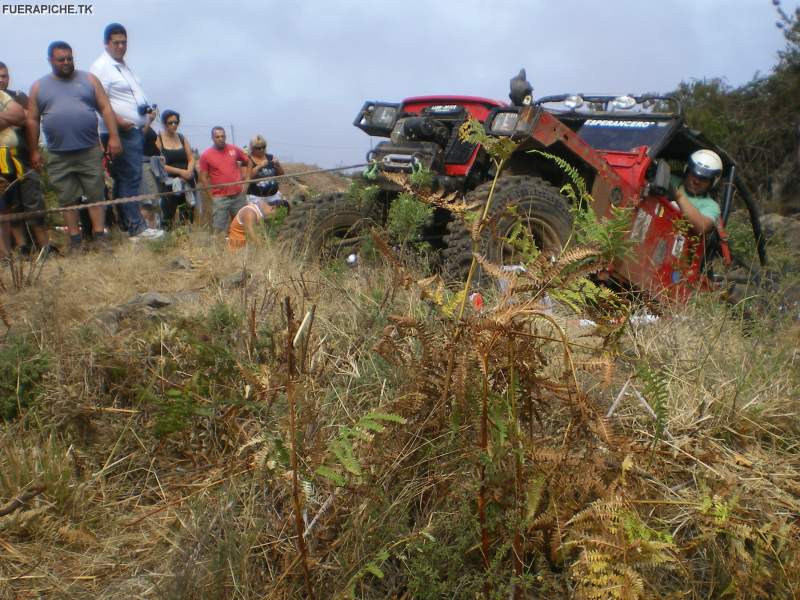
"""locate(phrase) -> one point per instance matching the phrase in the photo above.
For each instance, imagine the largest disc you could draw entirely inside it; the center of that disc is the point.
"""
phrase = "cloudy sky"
(297, 72)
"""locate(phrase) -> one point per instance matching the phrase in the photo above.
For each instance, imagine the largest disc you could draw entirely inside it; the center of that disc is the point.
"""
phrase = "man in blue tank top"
(66, 103)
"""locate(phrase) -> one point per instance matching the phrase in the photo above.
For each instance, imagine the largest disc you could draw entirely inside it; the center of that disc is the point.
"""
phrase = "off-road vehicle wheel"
(328, 226)
(532, 200)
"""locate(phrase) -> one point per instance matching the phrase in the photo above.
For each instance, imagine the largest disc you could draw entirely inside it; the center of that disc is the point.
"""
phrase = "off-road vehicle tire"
(328, 226)
(533, 199)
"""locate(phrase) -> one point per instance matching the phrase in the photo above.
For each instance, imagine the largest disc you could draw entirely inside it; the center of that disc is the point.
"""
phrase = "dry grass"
(205, 509)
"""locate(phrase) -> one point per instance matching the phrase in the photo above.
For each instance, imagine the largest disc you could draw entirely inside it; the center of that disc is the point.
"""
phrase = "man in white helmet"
(691, 193)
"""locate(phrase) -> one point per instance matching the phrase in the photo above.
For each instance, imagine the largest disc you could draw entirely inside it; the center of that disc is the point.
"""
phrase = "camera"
(146, 109)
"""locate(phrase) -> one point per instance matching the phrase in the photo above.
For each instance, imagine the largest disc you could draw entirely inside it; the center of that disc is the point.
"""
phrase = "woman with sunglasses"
(179, 165)
(263, 165)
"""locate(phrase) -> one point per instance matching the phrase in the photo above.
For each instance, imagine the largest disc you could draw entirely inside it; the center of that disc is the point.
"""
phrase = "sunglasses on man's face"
(259, 147)
(172, 122)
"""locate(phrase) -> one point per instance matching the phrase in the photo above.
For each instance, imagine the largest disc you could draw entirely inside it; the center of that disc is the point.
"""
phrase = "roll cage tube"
(727, 199)
(755, 219)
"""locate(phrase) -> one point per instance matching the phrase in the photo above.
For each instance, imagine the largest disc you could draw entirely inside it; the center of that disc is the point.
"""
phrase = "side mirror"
(662, 179)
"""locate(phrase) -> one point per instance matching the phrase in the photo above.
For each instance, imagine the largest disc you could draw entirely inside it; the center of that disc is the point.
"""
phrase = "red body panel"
(471, 103)
(665, 262)
(631, 167)
(478, 108)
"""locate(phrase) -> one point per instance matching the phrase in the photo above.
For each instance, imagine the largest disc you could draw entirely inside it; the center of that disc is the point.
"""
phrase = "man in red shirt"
(220, 164)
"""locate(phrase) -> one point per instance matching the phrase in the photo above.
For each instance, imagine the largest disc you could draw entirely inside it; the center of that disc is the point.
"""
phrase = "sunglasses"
(259, 147)
(172, 122)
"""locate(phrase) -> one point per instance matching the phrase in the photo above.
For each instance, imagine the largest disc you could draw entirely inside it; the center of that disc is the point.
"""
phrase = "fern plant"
(421, 177)
(615, 549)
(656, 391)
(608, 234)
(362, 193)
(343, 463)
(407, 216)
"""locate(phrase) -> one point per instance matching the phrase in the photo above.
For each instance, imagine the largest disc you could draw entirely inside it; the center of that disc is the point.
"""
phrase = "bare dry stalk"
(21, 500)
(292, 401)
(484, 446)
(251, 329)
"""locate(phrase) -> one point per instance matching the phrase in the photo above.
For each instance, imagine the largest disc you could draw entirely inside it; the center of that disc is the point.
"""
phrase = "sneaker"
(148, 235)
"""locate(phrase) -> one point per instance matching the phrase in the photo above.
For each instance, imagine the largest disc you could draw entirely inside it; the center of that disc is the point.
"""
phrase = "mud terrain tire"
(534, 200)
(329, 225)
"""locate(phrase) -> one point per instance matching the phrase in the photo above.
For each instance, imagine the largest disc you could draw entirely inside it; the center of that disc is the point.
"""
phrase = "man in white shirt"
(130, 106)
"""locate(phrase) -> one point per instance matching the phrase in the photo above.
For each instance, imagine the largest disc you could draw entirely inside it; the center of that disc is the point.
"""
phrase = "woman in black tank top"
(179, 162)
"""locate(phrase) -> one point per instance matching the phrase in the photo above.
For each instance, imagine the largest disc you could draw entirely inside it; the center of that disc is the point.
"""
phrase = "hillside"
(147, 450)
(310, 183)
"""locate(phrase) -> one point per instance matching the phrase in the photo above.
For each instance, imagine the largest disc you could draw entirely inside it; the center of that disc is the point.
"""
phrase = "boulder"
(786, 229)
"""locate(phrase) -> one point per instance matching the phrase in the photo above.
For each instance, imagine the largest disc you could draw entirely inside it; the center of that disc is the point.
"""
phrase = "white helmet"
(706, 164)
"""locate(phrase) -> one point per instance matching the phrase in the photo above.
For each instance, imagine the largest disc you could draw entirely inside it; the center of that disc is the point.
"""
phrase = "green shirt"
(707, 206)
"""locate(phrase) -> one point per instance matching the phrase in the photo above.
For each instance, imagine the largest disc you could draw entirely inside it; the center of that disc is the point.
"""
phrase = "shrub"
(22, 366)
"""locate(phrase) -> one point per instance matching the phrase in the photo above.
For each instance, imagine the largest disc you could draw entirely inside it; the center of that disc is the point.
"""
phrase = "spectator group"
(101, 143)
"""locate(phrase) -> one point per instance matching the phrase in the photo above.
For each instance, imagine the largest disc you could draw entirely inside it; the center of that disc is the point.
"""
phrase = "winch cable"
(142, 197)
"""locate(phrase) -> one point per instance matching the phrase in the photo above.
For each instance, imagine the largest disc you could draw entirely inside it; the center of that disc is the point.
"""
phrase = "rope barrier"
(142, 197)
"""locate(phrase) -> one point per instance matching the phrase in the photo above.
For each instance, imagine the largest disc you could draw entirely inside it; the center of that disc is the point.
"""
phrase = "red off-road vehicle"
(624, 147)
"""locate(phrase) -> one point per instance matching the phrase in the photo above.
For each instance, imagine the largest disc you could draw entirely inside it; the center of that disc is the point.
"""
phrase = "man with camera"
(130, 106)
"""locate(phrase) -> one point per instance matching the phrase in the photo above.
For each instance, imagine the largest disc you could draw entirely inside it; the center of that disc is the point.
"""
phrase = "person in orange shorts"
(243, 225)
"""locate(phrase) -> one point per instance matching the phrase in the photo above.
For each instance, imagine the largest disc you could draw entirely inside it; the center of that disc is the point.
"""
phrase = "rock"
(181, 262)
(791, 299)
(110, 318)
(741, 275)
(785, 228)
(187, 296)
(150, 299)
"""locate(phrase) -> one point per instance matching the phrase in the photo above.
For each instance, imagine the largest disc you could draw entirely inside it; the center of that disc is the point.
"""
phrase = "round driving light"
(623, 102)
(573, 102)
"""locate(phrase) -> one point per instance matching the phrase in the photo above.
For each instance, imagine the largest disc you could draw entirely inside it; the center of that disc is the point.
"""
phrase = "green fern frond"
(656, 392)
(577, 189)
(473, 132)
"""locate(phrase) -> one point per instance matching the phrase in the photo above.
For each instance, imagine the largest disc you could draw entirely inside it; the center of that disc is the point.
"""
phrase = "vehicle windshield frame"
(663, 128)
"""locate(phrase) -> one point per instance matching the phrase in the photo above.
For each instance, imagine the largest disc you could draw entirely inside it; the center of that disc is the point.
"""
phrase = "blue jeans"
(126, 170)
